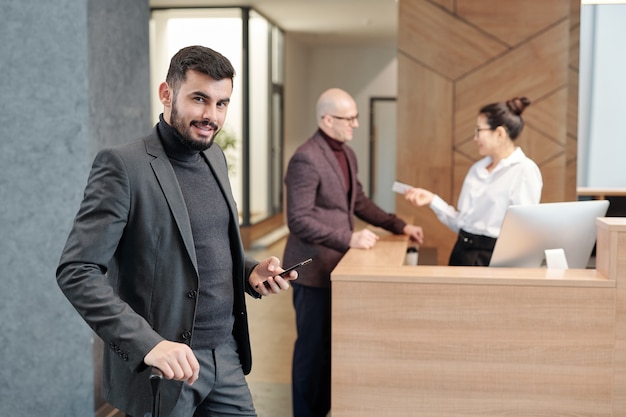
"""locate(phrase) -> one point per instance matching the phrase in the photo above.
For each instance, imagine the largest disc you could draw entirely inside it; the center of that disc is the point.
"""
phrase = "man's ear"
(326, 120)
(165, 94)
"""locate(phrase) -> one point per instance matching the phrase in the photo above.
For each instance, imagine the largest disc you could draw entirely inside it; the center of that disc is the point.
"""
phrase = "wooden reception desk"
(461, 341)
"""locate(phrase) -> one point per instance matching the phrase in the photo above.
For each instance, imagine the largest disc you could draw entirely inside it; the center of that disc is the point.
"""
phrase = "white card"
(400, 188)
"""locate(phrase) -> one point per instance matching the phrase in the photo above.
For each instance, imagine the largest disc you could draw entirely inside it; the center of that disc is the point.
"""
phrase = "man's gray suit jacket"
(129, 266)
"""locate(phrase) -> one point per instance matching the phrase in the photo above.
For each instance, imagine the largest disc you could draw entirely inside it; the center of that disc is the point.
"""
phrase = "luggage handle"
(155, 381)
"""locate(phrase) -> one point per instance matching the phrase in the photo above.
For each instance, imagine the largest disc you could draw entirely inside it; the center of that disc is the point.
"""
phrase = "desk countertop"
(385, 262)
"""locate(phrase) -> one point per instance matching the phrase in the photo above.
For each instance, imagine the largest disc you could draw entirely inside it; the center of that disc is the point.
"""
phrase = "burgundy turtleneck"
(340, 154)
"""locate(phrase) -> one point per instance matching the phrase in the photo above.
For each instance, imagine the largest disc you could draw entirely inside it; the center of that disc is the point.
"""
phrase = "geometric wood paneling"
(441, 41)
(502, 19)
(535, 69)
(456, 56)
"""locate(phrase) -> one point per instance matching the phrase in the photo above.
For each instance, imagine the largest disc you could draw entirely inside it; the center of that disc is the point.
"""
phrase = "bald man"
(323, 197)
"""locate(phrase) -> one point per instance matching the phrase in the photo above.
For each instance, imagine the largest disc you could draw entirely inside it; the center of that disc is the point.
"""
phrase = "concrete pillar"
(74, 77)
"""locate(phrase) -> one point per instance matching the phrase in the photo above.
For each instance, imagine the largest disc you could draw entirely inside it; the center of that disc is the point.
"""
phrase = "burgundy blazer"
(320, 213)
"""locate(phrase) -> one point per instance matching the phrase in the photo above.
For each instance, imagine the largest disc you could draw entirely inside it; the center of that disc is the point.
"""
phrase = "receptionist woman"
(504, 176)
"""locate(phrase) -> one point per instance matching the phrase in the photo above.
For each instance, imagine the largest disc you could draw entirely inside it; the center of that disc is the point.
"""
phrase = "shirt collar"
(516, 157)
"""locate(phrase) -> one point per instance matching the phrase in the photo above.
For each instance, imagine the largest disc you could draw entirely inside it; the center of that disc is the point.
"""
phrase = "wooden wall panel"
(486, 51)
(427, 124)
(442, 42)
(572, 100)
(502, 18)
(534, 69)
(448, 4)
(427, 136)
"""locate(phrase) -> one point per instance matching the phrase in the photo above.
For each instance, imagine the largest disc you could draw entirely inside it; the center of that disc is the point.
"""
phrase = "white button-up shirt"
(485, 195)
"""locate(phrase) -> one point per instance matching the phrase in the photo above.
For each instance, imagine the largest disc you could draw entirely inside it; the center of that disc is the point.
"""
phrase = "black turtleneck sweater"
(210, 219)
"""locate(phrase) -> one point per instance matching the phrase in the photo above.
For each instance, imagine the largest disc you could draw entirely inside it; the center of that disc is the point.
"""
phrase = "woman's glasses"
(478, 129)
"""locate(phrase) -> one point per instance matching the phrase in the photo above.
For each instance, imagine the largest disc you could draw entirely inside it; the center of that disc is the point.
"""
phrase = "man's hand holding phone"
(277, 282)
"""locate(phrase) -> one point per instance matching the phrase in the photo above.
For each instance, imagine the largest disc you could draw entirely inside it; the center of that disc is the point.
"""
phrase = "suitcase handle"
(155, 381)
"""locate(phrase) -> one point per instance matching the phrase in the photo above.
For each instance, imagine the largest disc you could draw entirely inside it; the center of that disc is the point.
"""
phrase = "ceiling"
(320, 22)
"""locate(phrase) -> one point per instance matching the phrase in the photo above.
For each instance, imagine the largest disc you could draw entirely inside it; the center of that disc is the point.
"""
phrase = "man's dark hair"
(201, 59)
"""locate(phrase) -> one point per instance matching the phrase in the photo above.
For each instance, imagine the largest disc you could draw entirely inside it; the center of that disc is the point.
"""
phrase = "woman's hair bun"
(518, 104)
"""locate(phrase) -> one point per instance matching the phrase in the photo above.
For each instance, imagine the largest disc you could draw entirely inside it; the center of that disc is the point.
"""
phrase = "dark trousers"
(311, 355)
(472, 250)
(221, 390)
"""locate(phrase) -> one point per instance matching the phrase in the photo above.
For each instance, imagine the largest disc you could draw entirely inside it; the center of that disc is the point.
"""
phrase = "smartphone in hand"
(288, 270)
(296, 266)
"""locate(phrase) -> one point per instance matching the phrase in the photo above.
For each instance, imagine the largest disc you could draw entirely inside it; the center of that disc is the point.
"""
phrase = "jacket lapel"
(217, 163)
(169, 184)
(332, 161)
(353, 177)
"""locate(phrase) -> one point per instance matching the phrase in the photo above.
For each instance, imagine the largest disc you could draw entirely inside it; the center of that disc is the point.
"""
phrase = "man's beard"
(184, 135)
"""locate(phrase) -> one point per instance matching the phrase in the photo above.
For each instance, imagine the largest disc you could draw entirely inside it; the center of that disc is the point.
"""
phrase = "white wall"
(602, 97)
(299, 112)
(363, 71)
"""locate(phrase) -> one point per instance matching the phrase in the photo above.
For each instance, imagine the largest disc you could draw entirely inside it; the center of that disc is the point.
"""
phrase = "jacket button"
(186, 335)
(192, 294)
